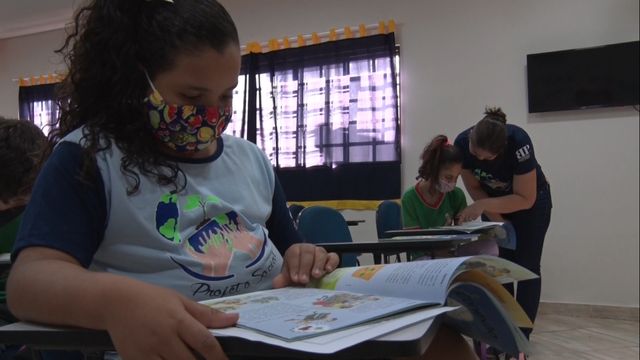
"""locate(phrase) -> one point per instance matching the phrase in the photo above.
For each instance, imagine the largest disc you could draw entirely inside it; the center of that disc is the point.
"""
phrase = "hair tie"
(169, 1)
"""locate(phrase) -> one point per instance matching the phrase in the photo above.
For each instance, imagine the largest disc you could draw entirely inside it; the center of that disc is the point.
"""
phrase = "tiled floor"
(571, 338)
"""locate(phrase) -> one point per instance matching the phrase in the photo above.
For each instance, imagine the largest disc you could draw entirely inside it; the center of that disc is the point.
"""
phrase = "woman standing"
(506, 182)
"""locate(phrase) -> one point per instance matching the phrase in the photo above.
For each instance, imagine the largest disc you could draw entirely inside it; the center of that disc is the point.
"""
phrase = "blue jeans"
(531, 227)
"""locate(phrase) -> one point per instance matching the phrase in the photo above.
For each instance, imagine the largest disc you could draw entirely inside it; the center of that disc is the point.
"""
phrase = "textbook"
(368, 295)
(471, 227)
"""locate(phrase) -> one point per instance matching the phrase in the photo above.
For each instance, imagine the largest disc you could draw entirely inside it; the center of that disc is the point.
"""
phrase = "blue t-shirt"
(496, 176)
(223, 235)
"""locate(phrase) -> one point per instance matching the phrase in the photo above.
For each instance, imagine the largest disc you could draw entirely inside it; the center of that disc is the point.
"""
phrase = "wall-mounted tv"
(599, 76)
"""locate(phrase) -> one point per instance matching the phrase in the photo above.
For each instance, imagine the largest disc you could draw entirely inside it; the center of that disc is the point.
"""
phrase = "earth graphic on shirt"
(490, 181)
(214, 241)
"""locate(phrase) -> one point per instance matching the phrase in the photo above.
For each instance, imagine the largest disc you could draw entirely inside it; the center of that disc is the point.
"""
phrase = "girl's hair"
(490, 133)
(107, 50)
(21, 145)
(436, 155)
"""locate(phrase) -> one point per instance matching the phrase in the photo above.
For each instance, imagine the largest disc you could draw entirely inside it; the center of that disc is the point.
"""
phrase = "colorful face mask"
(445, 186)
(185, 128)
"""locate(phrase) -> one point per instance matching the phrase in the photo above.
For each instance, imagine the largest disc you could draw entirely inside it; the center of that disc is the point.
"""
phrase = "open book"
(350, 297)
(466, 228)
(472, 226)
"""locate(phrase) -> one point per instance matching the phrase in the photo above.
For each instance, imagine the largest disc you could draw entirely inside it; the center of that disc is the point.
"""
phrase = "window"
(328, 105)
(43, 112)
(37, 103)
(349, 114)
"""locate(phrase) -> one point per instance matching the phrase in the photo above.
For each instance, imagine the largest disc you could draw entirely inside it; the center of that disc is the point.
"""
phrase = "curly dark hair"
(437, 154)
(107, 49)
(490, 133)
(21, 145)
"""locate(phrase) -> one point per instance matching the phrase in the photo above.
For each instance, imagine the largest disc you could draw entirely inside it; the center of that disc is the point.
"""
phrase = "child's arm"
(523, 197)
(143, 320)
(475, 190)
(460, 203)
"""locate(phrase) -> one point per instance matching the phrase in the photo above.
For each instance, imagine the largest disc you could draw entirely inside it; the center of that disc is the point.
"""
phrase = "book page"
(329, 343)
(502, 270)
(483, 318)
(298, 313)
(508, 303)
(426, 280)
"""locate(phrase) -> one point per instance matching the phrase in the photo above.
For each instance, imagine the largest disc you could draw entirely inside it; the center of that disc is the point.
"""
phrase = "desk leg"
(377, 258)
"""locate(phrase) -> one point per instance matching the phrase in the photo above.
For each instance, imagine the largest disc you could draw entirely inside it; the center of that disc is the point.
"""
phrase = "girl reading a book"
(435, 200)
(145, 206)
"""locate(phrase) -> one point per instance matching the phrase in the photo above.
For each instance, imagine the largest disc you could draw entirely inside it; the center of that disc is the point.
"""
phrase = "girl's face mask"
(445, 186)
(185, 128)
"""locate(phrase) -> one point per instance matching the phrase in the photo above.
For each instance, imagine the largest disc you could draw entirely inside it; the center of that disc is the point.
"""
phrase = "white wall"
(23, 56)
(456, 57)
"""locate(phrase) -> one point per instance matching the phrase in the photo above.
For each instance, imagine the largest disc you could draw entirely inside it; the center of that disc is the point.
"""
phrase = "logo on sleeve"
(523, 153)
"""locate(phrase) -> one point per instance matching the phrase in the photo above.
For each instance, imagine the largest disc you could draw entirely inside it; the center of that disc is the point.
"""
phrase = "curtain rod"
(382, 27)
(42, 79)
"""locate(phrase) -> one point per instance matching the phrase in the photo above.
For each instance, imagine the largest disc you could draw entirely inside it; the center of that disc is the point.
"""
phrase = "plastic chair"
(388, 217)
(321, 224)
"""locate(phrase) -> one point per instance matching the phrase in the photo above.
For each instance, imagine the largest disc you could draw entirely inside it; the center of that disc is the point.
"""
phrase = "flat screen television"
(599, 76)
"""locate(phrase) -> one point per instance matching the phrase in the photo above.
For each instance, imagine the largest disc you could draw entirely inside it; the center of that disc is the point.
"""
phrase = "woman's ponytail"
(490, 133)
(496, 114)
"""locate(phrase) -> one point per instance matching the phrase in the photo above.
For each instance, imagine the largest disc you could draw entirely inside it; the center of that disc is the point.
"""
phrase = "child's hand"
(470, 213)
(157, 323)
(303, 261)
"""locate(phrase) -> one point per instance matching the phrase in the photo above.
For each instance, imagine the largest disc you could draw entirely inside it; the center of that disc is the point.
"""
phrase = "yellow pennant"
(348, 34)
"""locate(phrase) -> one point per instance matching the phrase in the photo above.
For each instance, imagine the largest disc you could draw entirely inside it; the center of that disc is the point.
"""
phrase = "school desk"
(407, 342)
(427, 243)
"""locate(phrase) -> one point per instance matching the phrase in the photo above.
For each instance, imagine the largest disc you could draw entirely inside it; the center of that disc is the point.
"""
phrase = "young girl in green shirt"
(435, 200)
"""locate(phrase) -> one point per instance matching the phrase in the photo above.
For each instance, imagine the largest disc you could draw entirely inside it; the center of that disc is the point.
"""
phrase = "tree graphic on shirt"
(216, 238)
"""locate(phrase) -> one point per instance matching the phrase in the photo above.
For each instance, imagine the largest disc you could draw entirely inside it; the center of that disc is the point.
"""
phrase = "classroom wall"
(456, 57)
(29, 55)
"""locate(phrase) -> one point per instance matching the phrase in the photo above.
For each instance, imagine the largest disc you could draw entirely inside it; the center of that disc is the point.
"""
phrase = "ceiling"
(24, 17)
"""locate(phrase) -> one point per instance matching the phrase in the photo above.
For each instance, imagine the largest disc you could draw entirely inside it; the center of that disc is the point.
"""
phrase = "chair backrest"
(295, 210)
(321, 224)
(388, 217)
